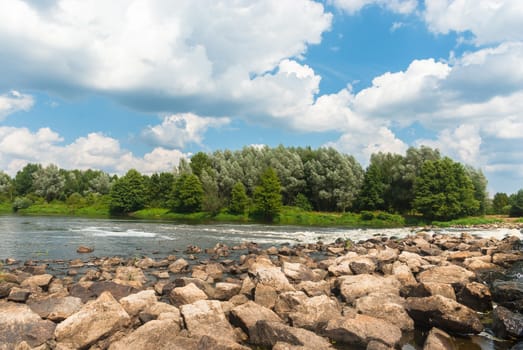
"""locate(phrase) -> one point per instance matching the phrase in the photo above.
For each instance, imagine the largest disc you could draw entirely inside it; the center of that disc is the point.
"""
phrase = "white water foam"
(115, 232)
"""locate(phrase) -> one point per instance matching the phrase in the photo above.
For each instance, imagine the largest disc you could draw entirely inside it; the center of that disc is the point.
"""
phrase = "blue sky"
(143, 83)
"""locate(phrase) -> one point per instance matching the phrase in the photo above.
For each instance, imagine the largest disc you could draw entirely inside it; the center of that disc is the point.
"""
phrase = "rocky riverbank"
(371, 294)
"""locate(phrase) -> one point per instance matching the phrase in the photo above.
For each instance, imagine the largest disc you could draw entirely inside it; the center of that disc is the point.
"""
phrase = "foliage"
(158, 189)
(443, 191)
(239, 199)
(267, 196)
(48, 182)
(479, 181)
(21, 203)
(6, 187)
(24, 179)
(200, 162)
(302, 202)
(187, 194)
(469, 221)
(127, 193)
(500, 203)
(516, 209)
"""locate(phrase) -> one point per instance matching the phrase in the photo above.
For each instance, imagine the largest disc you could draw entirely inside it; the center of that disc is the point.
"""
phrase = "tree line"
(259, 180)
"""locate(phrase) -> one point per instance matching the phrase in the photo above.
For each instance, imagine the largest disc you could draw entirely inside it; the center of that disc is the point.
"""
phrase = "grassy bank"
(470, 221)
(62, 209)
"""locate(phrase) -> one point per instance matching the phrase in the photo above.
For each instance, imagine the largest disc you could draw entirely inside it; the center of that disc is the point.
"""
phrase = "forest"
(259, 181)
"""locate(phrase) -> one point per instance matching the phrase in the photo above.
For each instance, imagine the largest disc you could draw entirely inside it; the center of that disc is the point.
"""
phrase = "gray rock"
(269, 333)
(205, 317)
(354, 287)
(389, 307)
(476, 296)
(246, 315)
(507, 323)
(56, 308)
(5, 288)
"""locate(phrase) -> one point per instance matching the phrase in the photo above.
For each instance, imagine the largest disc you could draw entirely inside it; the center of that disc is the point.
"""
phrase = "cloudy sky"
(123, 84)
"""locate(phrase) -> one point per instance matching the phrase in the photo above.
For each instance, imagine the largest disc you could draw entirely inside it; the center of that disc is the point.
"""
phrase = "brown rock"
(354, 287)
(450, 274)
(55, 308)
(269, 333)
(210, 342)
(133, 304)
(265, 295)
(313, 289)
(83, 249)
(439, 340)
(130, 276)
(205, 317)
(37, 280)
(246, 315)
(91, 290)
(186, 295)
(476, 296)
(225, 291)
(389, 307)
(18, 295)
(160, 335)
(178, 266)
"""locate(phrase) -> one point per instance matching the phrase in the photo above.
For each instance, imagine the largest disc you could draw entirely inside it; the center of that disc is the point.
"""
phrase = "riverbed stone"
(41, 281)
(55, 308)
(133, 304)
(439, 340)
(186, 295)
(161, 335)
(207, 317)
(19, 323)
(91, 290)
(269, 333)
(313, 289)
(19, 295)
(130, 276)
(477, 296)
(179, 266)
(357, 286)
(246, 315)
(225, 291)
(389, 307)
(95, 320)
(451, 274)
(507, 323)
(5, 288)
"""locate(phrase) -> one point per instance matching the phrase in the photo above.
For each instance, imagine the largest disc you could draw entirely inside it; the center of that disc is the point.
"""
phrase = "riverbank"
(371, 294)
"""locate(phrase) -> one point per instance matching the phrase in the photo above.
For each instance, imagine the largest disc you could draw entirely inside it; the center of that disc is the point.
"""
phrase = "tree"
(372, 192)
(159, 187)
(200, 162)
(24, 179)
(516, 209)
(187, 194)
(127, 193)
(443, 191)
(267, 196)
(48, 182)
(6, 186)
(479, 181)
(239, 199)
(499, 203)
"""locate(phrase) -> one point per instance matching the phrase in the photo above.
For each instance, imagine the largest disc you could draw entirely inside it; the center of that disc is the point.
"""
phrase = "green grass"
(62, 209)
(519, 220)
(5, 208)
(470, 221)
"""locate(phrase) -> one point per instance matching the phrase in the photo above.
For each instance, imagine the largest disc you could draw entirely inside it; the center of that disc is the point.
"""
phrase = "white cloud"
(398, 6)
(177, 130)
(490, 21)
(19, 146)
(13, 102)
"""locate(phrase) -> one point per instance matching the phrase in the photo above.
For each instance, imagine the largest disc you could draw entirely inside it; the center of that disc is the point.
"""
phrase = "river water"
(57, 238)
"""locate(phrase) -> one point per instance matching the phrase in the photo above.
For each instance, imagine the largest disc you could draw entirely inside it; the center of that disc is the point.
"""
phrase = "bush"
(367, 215)
(21, 203)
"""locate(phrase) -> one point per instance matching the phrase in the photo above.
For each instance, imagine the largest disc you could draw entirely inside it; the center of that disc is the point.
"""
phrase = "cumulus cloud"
(398, 6)
(177, 130)
(490, 21)
(13, 102)
(19, 146)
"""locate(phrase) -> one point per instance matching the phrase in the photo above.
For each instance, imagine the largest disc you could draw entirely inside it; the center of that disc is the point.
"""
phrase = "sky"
(122, 84)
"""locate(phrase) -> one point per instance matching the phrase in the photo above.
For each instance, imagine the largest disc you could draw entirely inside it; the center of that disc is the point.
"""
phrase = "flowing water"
(57, 238)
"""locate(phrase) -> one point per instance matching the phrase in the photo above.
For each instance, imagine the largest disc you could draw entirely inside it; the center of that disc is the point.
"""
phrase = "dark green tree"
(267, 196)
(24, 179)
(302, 202)
(443, 191)
(187, 194)
(127, 193)
(499, 203)
(159, 187)
(372, 192)
(239, 199)
(479, 181)
(516, 210)
(200, 162)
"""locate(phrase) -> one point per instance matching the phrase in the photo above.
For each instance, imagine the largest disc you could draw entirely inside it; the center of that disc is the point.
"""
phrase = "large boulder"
(160, 335)
(269, 333)
(55, 308)
(225, 291)
(130, 276)
(299, 272)
(19, 323)
(246, 315)
(135, 303)
(362, 329)
(477, 296)
(313, 289)
(186, 295)
(41, 281)
(207, 317)
(357, 286)
(92, 290)
(439, 340)
(507, 323)
(271, 276)
(178, 266)
(508, 294)
(444, 313)
(450, 274)
(389, 307)
(95, 320)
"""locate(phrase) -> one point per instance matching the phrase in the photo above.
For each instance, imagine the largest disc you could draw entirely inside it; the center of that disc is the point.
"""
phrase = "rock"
(83, 249)
(362, 265)
(210, 342)
(19, 323)
(389, 307)
(130, 276)
(434, 288)
(265, 295)
(18, 295)
(315, 288)
(354, 287)
(341, 269)
(178, 266)
(508, 294)
(439, 340)
(269, 333)
(463, 255)
(476, 296)
(215, 271)
(91, 290)
(450, 274)
(205, 317)
(37, 280)
(160, 335)
(145, 263)
(247, 287)
(506, 323)
(444, 313)
(414, 261)
(55, 308)
(266, 273)
(403, 274)
(133, 304)
(5, 288)
(361, 329)
(203, 285)
(186, 295)
(246, 315)
(160, 310)
(225, 291)
(299, 272)
(95, 320)
(506, 259)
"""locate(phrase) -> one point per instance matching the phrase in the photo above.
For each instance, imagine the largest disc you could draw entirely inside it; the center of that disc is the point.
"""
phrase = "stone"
(92, 290)
(186, 295)
(451, 274)
(357, 286)
(389, 307)
(161, 310)
(444, 313)
(37, 280)
(362, 265)
(463, 255)
(361, 329)
(439, 340)
(215, 271)
(55, 308)
(313, 289)
(130, 276)
(507, 293)
(506, 259)
(225, 291)
(145, 263)
(266, 273)
(506, 323)
(19, 323)
(179, 266)
(413, 260)
(314, 313)
(210, 342)
(160, 335)
(403, 274)
(265, 295)
(443, 289)
(95, 320)
(5, 288)
(246, 315)
(477, 296)
(203, 285)
(133, 304)
(341, 269)
(205, 317)
(247, 287)
(269, 333)
(83, 249)
(18, 295)
(298, 272)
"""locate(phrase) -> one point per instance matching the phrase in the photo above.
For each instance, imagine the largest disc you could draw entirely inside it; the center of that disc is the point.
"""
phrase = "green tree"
(239, 199)
(159, 187)
(49, 182)
(6, 187)
(200, 162)
(187, 194)
(24, 179)
(443, 191)
(516, 209)
(127, 193)
(499, 203)
(267, 196)
(479, 181)
(372, 192)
